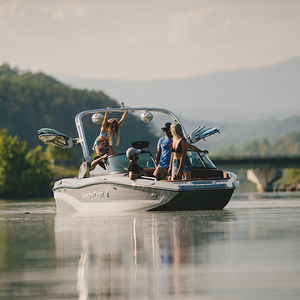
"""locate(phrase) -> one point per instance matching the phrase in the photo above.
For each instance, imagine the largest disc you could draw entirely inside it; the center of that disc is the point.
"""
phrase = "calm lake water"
(250, 250)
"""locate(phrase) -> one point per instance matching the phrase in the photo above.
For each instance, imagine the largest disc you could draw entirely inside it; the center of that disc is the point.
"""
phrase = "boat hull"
(119, 193)
(197, 200)
(110, 197)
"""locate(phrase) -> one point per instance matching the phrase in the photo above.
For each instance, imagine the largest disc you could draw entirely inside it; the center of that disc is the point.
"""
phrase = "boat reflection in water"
(155, 255)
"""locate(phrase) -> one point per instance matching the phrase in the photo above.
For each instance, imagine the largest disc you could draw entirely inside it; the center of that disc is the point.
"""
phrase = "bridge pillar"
(263, 178)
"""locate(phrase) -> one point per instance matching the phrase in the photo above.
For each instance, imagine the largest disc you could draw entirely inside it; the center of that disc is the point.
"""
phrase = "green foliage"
(30, 101)
(293, 175)
(12, 161)
(54, 154)
(288, 146)
(36, 179)
(64, 172)
(23, 173)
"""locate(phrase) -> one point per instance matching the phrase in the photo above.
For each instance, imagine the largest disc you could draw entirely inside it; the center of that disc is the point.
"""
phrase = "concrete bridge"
(262, 171)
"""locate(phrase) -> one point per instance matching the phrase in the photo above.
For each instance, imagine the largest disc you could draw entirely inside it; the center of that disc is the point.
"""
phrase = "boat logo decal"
(94, 195)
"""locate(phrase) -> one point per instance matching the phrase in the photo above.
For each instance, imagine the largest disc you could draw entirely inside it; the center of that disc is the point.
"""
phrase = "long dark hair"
(110, 130)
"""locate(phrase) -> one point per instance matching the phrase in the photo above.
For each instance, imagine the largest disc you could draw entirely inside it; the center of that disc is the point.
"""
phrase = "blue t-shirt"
(164, 145)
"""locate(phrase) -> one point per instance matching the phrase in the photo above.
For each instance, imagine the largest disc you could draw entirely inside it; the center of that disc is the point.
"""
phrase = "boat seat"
(198, 173)
(149, 171)
(208, 173)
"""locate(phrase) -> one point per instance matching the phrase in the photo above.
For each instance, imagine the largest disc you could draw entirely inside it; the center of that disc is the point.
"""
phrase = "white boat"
(111, 189)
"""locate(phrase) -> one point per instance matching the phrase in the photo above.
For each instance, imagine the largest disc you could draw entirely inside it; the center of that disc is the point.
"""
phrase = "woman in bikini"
(110, 127)
(180, 165)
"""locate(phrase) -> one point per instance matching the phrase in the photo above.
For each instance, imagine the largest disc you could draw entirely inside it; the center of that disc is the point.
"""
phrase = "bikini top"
(179, 147)
(103, 134)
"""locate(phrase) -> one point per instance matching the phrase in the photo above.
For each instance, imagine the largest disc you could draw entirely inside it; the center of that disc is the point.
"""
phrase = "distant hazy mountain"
(239, 95)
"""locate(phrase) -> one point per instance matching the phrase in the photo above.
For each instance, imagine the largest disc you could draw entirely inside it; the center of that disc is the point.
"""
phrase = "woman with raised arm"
(180, 166)
(110, 127)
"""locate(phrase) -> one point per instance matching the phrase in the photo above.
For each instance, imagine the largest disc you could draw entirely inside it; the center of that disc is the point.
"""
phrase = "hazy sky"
(147, 39)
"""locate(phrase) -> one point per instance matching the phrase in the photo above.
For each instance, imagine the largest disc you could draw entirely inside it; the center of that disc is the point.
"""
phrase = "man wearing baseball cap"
(163, 153)
(134, 170)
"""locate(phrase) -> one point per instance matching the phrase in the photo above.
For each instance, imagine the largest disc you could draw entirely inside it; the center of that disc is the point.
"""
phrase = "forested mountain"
(30, 101)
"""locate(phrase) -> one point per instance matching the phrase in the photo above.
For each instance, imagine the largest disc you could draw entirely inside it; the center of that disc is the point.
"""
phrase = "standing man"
(163, 153)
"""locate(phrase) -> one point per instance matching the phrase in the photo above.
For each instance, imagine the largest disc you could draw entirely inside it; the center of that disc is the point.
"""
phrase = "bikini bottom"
(186, 167)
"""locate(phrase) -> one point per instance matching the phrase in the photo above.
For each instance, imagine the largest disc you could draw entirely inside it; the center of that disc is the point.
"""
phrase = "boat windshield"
(200, 160)
(119, 163)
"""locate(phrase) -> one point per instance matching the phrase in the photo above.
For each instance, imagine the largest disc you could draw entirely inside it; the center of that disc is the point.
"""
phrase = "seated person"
(102, 153)
(134, 170)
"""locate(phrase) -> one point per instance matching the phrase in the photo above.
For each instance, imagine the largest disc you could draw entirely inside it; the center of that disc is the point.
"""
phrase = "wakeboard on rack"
(56, 138)
(201, 133)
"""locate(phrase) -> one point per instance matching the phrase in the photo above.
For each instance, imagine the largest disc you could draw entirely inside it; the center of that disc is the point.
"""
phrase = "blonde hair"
(110, 132)
(176, 130)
